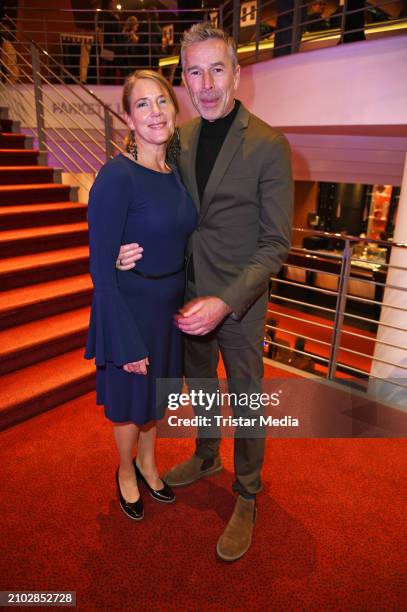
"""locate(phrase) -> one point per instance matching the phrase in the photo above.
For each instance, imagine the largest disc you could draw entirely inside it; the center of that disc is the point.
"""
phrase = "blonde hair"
(200, 32)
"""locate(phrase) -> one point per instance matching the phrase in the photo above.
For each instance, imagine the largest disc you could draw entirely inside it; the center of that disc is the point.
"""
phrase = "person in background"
(130, 45)
(109, 41)
(313, 16)
(149, 39)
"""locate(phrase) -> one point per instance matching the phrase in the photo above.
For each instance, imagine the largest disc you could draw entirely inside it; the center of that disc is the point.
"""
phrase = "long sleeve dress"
(131, 314)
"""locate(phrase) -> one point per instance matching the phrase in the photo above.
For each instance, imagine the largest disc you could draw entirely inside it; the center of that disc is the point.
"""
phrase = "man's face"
(211, 78)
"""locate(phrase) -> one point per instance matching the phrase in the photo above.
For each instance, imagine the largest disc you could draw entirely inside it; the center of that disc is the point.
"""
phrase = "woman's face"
(152, 113)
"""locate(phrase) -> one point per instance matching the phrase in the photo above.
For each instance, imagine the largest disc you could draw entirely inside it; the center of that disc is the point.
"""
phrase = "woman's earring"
(131, 147)
(174, 147)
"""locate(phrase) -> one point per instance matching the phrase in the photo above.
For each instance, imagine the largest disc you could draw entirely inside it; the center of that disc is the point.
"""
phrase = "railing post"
(340, 308)
(343, 18)
(258, 21)
(39, 106)
(108, 134)
(97, 49)
(236, 20)
(296, 31)
(220, 17)
(150, 63)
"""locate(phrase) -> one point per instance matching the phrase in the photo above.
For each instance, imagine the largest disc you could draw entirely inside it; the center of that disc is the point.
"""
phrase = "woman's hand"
(129, 254)
(137, 367)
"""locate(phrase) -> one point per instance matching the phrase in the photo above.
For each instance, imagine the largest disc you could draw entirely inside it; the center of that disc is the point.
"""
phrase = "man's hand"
(137, 367)
(128, 255)
(201, 315)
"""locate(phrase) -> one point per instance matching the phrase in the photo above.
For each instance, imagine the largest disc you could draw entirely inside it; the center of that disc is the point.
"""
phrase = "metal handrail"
(387, 243)
(294, 284)
(302, 303)
(76, 151)
(301, 319)
(43, 52)
(286, 331)
(403, 348)
(308, 269)
(335, 331)
(150, 21)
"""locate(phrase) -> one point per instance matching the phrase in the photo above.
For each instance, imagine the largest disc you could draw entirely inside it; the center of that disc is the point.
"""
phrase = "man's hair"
(204, 30)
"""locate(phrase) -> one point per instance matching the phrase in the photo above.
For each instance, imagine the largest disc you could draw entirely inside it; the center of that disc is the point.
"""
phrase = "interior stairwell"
(45, 288)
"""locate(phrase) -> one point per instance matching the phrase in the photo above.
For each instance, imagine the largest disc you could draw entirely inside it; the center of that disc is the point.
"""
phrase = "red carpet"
(330, 533)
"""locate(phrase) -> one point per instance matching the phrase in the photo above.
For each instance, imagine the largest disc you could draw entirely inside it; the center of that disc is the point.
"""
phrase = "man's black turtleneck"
(211, 138)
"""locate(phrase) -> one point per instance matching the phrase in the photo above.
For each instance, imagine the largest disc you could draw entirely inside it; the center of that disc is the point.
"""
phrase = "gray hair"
(204, 30)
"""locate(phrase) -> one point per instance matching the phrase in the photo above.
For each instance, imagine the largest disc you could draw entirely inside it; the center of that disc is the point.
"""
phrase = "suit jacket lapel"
(189, 144)
(231, 143)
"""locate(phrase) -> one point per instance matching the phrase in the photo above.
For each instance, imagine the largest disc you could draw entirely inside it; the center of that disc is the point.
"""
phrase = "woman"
(138, 197)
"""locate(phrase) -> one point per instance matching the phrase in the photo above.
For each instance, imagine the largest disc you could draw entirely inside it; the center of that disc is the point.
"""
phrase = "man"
(237, 169)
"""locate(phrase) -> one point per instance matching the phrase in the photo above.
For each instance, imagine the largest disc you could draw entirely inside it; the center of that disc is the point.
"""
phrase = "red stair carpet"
(45, 289)
(330, 535)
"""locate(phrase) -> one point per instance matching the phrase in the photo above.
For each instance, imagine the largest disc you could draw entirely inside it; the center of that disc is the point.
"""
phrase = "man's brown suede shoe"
(191, 470)
(237, 537)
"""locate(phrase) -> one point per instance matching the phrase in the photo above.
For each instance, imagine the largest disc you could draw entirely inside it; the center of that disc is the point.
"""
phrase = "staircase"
(45, 288)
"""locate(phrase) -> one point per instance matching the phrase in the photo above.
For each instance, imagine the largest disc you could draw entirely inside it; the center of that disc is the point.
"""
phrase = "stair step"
(44, 238)
(42, 386)
(8, 140)
(34, 215)
(23, 175)
(24, 304)
(9, 125)
(42, 267)
(30, 343)
(18, 157)
(11, 195)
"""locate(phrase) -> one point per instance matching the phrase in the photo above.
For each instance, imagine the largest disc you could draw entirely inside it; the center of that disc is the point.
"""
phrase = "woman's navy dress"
(132, 316)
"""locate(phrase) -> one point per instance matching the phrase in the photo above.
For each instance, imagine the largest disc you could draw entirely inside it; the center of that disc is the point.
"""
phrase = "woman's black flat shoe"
(133, 510)
(166, 494)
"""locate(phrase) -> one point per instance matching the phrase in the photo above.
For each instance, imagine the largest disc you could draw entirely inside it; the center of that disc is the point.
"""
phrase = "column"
(396, 336)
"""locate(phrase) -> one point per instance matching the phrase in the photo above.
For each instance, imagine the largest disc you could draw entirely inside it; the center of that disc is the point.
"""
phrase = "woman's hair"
(203, 31)
(128, 89)
(130, 24)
